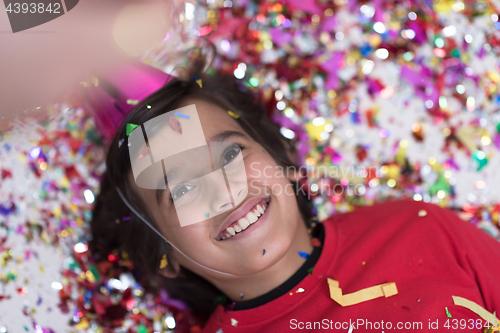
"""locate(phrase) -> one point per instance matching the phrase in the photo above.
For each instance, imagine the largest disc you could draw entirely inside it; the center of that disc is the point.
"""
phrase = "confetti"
(163, 262)
(175, 124)
(132, 101)
(303, 254)
(232, 114)
(263, 251)
(315, 242)
(422, 213)
(476, 308)
(310, 271)
(199, 83)
(234, 322)
(130, 128)
(181, 115)
(453, 104)
(363, 295)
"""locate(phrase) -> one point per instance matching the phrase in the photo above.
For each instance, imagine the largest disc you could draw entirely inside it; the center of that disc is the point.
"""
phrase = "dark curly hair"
(142, 245)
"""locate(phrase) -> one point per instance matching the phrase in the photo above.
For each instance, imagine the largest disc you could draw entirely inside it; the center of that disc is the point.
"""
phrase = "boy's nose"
(219, 198)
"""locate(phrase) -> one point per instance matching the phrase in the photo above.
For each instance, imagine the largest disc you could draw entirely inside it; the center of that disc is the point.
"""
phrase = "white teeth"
(251, 217)
(243, 222)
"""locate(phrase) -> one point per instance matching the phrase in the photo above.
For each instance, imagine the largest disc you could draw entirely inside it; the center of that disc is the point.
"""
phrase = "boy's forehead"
(213, 118)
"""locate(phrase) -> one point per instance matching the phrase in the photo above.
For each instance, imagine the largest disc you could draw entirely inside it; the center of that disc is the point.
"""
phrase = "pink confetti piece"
(175, 124)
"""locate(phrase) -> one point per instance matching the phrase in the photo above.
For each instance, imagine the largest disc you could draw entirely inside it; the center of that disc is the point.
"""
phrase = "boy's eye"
(230, 154)
(180, 191)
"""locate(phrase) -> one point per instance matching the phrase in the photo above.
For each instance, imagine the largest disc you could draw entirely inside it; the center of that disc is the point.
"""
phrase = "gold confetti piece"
(232, 114)
(199, 83)
(83, 324)
(422, 213)
(477, 309)
(300, 290)
(363, 295)
(234, 322)
(163, 262)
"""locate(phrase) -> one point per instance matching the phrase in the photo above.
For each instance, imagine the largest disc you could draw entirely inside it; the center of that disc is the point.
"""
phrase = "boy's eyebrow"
(223, 136)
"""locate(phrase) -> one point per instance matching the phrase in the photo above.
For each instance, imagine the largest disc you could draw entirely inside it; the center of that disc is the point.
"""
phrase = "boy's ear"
(171, 271)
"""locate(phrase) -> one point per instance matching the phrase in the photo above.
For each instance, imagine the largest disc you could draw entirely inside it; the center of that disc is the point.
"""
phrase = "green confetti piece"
(310, 270)
(220, 299)
(206, 215)
(498, 127)
(95, 272)
(130, 128)
(480, 157)
(132, 101)
(440, 184)
(447, 312)
(141, 329)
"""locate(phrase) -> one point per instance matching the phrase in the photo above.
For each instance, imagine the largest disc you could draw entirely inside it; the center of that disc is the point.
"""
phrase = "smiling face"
(266, 217)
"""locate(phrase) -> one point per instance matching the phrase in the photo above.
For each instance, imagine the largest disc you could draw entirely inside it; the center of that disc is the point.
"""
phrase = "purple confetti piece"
(496, 140)
(308, 6)
(331, 66)
(280, 37)
(329, 23)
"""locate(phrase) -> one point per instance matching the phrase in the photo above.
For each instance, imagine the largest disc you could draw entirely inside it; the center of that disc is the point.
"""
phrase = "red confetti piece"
(315, 242)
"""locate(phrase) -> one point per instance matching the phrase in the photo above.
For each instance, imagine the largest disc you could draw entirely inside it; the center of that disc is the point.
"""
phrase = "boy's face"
(261, 212)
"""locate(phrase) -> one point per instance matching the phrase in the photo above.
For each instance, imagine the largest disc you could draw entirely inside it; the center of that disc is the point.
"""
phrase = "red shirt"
(430, 258)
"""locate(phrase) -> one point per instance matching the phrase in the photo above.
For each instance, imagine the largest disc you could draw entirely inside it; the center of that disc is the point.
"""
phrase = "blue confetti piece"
(181, 115)
(303, 254)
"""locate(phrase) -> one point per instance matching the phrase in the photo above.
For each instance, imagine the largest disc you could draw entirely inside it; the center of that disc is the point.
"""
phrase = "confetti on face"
(181, 115)
(232, 114)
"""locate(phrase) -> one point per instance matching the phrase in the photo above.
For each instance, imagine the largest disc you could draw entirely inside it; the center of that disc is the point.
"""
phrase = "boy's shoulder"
(395, 216)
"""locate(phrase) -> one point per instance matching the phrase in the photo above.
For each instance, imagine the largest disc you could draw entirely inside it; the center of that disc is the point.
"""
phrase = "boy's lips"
(241, 212)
